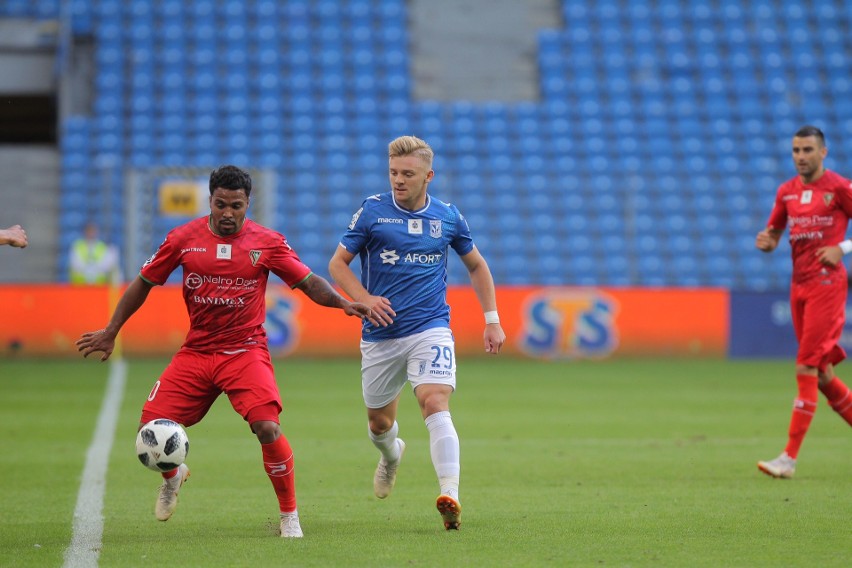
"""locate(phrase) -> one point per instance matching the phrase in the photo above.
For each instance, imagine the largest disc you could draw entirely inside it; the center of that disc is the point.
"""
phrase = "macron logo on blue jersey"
(389, 256)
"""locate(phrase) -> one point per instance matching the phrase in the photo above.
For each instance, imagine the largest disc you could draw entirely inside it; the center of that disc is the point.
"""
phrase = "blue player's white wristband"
(494, 317)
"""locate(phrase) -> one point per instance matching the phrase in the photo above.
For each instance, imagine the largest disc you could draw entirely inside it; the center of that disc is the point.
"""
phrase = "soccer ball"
(162, 445)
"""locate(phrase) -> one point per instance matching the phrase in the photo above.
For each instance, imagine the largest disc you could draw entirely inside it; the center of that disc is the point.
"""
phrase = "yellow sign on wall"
(182, 198)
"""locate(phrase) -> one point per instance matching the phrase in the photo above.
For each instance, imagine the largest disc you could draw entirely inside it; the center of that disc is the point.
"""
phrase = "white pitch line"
(85, 546)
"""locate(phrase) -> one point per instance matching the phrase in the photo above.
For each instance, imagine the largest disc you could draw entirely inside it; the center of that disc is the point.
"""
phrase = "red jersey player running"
(817, 205)
(226, 261)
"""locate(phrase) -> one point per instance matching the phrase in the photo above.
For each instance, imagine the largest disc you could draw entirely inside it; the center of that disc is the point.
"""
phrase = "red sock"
(803, 412)
(278, 462)
(839, 398)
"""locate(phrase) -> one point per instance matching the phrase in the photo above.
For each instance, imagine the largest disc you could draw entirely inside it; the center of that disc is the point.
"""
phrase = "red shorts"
(819, 311)
(193, 381)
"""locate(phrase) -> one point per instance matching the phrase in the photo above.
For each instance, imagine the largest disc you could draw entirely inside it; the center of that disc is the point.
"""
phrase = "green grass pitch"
(614, 463)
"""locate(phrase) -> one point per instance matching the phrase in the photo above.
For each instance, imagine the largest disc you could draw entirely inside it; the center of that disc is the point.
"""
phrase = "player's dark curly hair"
(810, 130)
(230, 177)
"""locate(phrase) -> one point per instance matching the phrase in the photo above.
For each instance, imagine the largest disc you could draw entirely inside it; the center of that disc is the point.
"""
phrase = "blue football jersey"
(404, 258)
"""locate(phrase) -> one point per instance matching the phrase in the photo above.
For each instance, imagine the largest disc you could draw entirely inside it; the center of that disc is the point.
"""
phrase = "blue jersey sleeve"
(463, 242)
(355, 238)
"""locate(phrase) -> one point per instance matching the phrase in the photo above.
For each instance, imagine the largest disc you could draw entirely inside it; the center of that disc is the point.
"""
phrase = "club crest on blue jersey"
(435, 228)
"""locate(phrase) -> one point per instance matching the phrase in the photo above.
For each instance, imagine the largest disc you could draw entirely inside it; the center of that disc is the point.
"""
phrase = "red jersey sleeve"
(778, 216)
(844, 195)
(163, 262)
(286, 264)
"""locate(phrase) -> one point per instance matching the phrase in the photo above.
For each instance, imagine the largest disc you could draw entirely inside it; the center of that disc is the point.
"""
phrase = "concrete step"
(478, 50)
(30, 199)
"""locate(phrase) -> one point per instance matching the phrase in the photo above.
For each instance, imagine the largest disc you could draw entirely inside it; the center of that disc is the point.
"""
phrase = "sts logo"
(281, 328)
(570, 325)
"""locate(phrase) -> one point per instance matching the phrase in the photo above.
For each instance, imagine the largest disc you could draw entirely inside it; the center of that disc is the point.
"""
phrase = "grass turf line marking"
(85, 546)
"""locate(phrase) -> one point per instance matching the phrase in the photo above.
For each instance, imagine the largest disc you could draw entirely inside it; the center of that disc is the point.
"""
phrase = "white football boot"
(167, 498)
(290, 527)
(385, 476)
(781, 467)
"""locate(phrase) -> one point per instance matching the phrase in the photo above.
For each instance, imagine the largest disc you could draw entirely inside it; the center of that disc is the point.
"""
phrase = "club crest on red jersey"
(827, 198)
(254, 255)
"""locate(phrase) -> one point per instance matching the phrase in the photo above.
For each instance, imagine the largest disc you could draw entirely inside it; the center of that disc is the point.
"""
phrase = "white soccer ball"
(162, 445)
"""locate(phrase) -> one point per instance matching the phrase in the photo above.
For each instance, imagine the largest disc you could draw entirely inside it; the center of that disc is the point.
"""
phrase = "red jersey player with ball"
(817, 206)
(226, 260)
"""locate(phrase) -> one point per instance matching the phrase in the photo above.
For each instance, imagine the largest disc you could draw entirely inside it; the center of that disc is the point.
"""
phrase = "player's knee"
(806, 370)
(266, 431)
(433, 398)
(380, 424)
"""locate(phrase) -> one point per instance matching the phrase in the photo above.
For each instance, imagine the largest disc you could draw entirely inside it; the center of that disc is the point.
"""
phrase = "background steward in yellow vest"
(93, 261)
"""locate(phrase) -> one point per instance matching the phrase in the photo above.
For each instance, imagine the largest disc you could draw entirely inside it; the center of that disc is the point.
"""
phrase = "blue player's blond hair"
(411, 146)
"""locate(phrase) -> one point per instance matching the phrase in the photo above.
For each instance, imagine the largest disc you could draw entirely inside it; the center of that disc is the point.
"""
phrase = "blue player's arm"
(483, 285)
(338, 267)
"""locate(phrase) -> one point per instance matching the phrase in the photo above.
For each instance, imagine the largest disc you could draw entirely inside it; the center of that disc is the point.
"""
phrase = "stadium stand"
(651, 159)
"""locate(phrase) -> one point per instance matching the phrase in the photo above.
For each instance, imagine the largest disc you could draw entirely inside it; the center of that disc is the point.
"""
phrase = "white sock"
(174, 481)
(386, 443)
(444, 446)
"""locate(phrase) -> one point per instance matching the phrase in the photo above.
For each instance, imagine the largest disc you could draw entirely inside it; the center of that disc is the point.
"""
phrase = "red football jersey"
(224, 280)
(818, 215)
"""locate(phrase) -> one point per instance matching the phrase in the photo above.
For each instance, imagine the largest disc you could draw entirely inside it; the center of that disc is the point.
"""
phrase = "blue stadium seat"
(621, 134)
